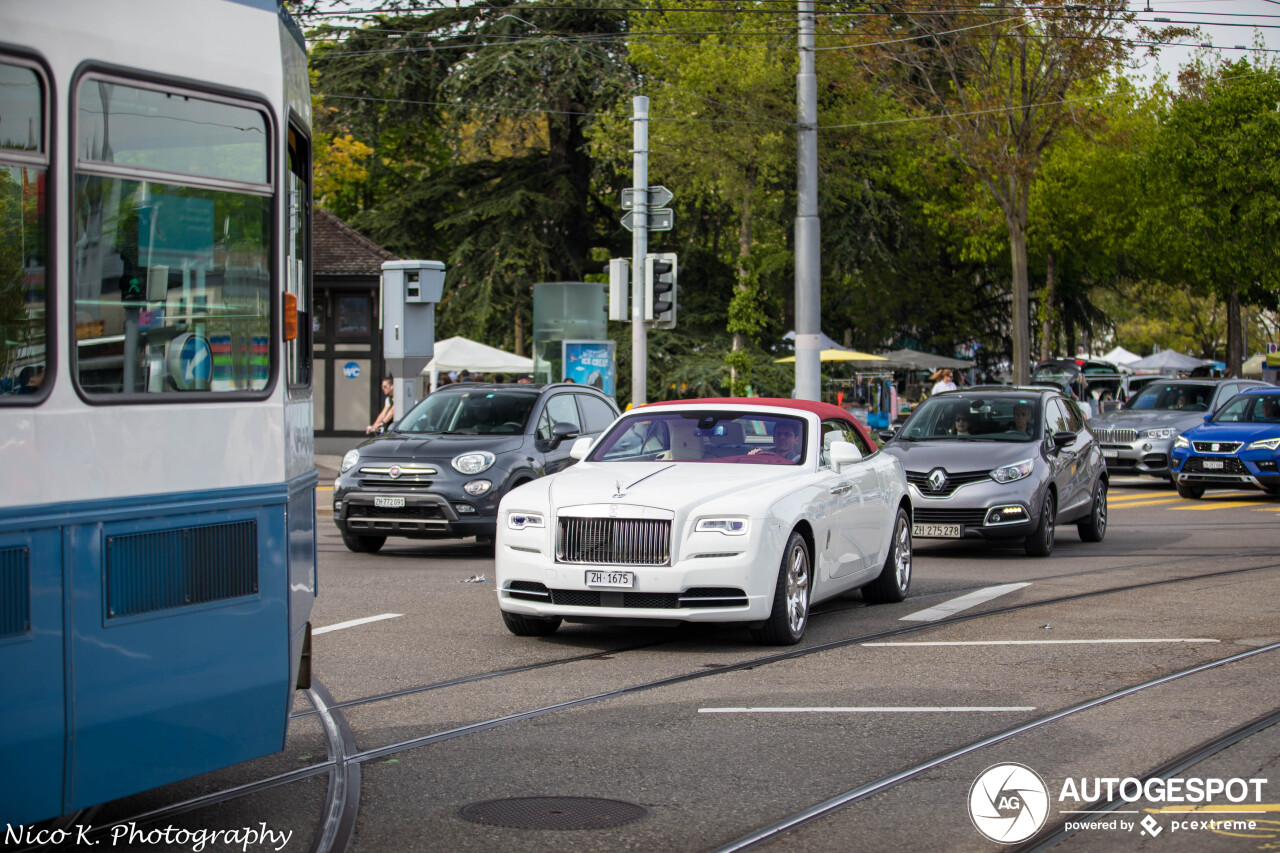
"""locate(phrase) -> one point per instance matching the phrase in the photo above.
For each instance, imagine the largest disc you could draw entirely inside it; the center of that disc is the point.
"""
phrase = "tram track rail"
(344, 759)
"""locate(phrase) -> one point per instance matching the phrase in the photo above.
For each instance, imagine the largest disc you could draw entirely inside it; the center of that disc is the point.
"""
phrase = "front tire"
(895, 578)
(1093, 528)
(363, 544)
(530, 626)
(1188, 491)
(1040, 542)
(790, 614)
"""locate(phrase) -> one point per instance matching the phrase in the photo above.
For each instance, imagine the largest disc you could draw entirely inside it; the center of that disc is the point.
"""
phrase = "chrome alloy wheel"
(902, 553)
(797, 588)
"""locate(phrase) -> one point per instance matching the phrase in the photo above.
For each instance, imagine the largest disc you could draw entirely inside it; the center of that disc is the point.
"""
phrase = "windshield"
(707, 436)
(470, 413)
(1172, 397)
(972, 417)
(1250, 408)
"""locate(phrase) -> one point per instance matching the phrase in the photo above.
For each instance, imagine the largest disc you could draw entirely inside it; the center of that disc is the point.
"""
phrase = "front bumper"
(980, 510)
(1259, 469)
(1145, 456)
(441, 512)
(734, 584)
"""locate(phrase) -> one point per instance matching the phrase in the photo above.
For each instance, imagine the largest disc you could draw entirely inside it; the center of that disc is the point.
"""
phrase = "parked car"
(1236, 447)
(1089, 381)
(1137, 438)
(1002, 463)
(745, 511)
(442, 470)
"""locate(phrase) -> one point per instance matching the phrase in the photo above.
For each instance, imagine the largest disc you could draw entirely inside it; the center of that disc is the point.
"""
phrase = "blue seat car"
(1236, 447)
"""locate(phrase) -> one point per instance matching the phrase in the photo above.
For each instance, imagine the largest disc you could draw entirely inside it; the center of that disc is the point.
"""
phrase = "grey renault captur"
(1138, 438)
(1002, 463)
(440, 471)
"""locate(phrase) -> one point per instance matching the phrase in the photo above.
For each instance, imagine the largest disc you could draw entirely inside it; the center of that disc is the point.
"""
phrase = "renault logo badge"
(937, 479)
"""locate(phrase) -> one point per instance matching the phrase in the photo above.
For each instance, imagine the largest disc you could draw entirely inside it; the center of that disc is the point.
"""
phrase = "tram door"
(33, 713)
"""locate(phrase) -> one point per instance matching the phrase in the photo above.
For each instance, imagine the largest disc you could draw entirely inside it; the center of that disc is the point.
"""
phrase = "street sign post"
(657, 197)
(661, 219)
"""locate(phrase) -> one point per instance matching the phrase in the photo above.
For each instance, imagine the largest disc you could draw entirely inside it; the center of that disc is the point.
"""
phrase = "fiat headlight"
(1158, 432)
(1265, 444)
(1016, 471)
(1181, 441)
(727, 526)
(473, 463)
(523, 520)
(477, 487)
(349, 461)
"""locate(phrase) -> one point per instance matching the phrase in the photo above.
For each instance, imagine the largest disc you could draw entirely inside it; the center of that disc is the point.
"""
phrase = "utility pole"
(639, 247)
(808, 232)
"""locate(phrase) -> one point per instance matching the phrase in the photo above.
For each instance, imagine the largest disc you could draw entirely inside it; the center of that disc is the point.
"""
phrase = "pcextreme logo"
(1008, 803)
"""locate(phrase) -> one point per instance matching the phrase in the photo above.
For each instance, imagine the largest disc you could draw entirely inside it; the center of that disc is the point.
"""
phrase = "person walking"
(943, 382)
(387, 415)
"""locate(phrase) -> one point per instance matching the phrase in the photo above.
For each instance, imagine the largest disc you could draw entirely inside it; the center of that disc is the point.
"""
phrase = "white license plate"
(389, 503)
(936, 531)
(618, 579)
(1111, 454)
(1212, 464)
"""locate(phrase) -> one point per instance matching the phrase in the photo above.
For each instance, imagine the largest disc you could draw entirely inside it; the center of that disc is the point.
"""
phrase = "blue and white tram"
(157, 503)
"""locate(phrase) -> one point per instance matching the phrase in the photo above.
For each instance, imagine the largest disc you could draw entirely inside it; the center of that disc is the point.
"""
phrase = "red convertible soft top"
(822, 410)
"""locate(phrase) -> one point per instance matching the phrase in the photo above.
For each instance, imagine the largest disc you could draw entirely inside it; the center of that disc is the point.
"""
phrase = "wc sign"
(351, 370)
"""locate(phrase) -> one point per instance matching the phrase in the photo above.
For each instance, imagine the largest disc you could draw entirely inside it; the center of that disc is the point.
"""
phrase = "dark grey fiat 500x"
(440, 471)
(1002, 463)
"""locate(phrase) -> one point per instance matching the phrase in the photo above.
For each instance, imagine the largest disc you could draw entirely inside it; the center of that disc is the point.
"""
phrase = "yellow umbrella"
(840, 355)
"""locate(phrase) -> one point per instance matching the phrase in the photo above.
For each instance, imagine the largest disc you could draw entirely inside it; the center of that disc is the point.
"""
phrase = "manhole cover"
(554, 813)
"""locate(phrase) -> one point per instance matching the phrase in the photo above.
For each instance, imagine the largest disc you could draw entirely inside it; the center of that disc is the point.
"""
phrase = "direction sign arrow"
(661, 219)
(658, 197)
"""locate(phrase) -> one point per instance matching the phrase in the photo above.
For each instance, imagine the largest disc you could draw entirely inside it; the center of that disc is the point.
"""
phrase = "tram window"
(173, 274)
(24, 320)
(298, 257)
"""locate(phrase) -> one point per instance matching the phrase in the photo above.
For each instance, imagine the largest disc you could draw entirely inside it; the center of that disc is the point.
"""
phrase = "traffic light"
(660, 290)
(619, 289)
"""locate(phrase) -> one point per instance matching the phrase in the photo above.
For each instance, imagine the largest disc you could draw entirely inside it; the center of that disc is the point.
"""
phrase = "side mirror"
(886, 435)
(1208, 417)
(581, 448)
(1062, 439)
(561, 431)
(844, 453)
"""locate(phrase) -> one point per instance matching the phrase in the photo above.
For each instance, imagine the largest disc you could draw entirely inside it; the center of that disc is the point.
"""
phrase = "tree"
(1214, 178)
(1005, 82)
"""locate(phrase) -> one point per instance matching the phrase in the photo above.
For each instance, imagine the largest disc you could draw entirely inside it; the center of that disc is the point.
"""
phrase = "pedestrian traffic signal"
(660, 290)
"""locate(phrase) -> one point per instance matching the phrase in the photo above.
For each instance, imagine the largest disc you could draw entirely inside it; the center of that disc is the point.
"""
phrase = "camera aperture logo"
(1008, 803)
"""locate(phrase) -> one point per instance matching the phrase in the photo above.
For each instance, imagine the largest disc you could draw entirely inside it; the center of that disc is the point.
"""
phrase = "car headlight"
(1158, 432)
(1016, 471)
(1181, 441)
(477, 487)
(523, 520)
(1264, 444)
(349, 461)
(473, 463)
(727, 526)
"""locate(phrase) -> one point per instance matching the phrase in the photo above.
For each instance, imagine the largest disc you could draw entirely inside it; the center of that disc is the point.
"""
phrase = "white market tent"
(1167, 360)
(459, 353)
(1252, 368)
(1120, 355)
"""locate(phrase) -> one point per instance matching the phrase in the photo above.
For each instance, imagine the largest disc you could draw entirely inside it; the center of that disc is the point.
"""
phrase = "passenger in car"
(960, 424)
(1022, 419)
(786, 442)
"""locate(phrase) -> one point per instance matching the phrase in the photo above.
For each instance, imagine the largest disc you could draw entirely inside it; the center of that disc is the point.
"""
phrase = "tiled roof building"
(337, 249)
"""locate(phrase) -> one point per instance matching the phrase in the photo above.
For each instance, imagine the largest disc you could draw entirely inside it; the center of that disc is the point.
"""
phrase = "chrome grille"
(1216, 446)
(614, 541)
(1120, 436)
(955, 479)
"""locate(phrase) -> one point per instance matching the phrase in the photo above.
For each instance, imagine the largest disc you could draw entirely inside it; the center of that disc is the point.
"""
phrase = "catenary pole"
(639, 247)
(808, 233)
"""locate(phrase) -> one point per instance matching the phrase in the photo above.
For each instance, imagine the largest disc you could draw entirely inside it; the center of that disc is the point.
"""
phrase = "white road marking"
(354, 622)
(1046, 642)
(927, 710)
(964, 602)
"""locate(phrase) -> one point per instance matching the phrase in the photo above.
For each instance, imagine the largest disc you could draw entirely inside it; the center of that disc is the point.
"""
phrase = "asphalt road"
(711, 739)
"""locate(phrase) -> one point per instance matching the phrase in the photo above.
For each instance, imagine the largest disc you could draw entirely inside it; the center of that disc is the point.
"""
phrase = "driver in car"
(786, 442)
(1022, 418)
